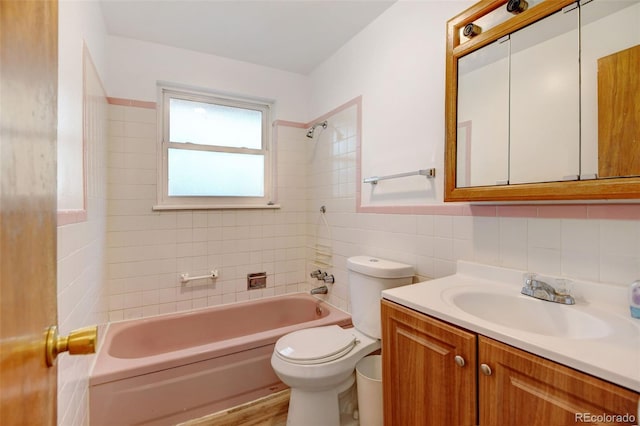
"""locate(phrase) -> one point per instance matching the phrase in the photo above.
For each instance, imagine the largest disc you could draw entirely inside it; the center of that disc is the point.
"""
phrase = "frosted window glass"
(195, 173)
(212, 124)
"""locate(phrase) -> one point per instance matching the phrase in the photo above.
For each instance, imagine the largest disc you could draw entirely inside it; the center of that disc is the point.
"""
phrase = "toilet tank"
(368, 277)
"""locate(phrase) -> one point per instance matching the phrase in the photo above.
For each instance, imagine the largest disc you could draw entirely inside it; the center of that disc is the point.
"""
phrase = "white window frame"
(166, 202)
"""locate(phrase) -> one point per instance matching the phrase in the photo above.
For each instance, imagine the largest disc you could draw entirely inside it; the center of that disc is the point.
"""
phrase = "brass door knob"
(78, 342)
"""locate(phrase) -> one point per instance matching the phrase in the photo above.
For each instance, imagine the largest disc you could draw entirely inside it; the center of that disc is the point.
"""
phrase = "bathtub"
(171, 368)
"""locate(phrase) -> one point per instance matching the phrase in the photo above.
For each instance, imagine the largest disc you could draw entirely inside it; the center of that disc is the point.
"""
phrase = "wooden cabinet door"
(524, 389)
(422, 383)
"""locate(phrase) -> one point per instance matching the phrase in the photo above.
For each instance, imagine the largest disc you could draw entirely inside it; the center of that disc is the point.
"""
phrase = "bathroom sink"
(527, 314)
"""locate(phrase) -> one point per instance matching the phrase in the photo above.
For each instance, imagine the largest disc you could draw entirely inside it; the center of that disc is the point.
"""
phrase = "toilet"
(318, 363)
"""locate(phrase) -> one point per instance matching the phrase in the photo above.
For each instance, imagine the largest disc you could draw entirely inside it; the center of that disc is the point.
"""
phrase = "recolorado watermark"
(605, 418)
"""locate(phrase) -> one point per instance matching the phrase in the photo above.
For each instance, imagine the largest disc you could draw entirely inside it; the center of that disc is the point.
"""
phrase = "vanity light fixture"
(517, 6)
(471, 30)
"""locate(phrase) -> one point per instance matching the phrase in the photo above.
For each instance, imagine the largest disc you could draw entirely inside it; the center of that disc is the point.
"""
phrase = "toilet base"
(331, 407)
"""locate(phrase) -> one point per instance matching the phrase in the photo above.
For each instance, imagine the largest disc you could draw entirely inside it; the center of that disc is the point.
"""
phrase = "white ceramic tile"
(214, 300)
(133, 313)
(443, 248)
(150, 310)
(116, 302)
(425, 224)
(116, 112)
(116, 315)
(463, 250)
(513, 242)
(145, 161)
(115, 128)
(443, 268)
(544, 233)
(619, 269)
(229, 298)
(425, 266)
(139, 130)
(585, 265)
(620, 237)
(228, 218)
(463, 227)
(166, 295)
(142, 115)
(581, 236)
(132, 300)
(486, 240)
(544, 261)
(139, 145)
(151, 297)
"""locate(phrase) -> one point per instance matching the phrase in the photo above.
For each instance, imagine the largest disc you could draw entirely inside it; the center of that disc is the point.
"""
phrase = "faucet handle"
(563, 287)
(528, 278)
(329, 279)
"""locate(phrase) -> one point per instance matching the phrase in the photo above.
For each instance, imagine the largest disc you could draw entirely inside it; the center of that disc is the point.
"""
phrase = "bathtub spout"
(320, 290)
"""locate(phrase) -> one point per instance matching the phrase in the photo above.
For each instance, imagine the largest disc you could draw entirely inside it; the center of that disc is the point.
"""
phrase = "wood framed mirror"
(543, 101)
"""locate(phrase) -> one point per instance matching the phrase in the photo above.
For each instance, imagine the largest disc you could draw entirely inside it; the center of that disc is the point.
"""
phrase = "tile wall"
(600, 250)
(81, 257)
(148, 250)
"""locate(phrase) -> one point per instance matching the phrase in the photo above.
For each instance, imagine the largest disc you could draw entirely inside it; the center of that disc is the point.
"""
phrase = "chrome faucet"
(320, 290)
(543, 291)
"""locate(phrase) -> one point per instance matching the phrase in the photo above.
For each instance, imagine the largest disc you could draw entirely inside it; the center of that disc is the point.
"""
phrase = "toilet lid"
(315, 345)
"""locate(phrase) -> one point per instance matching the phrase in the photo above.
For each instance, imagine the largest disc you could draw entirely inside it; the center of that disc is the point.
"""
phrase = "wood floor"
(268, 411)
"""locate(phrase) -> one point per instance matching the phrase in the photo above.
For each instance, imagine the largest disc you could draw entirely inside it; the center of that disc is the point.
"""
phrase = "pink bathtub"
(172, 368)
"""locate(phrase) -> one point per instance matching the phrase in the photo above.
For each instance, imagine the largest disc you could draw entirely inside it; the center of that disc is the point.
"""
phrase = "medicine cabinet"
(543, 102)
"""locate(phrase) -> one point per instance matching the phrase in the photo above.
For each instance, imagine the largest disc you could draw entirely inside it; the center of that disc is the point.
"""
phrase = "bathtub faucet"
(320, 290)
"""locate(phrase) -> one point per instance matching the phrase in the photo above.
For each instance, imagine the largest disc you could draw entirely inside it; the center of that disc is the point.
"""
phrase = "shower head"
(312, 129)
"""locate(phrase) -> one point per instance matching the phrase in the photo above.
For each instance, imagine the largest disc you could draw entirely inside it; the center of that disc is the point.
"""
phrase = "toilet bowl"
(318, 363)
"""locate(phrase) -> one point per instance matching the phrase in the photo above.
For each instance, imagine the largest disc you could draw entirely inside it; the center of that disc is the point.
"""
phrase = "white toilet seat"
(316, 345)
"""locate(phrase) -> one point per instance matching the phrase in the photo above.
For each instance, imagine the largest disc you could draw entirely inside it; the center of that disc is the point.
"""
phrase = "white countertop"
(614, 357)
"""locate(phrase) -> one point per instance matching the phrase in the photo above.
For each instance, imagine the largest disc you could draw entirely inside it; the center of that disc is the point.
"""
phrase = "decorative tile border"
(131, 103)
(67, 217)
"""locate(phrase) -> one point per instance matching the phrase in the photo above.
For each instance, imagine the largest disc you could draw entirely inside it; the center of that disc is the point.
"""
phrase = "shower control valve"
(316, 273)
(329, 279)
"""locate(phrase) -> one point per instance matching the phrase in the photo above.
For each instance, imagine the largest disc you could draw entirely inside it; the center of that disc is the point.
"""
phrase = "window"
(215, 152)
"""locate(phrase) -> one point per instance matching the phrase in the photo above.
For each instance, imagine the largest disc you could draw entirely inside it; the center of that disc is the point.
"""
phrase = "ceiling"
(291, 35)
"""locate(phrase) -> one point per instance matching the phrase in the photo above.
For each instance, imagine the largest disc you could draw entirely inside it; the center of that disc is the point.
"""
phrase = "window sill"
(214, 207)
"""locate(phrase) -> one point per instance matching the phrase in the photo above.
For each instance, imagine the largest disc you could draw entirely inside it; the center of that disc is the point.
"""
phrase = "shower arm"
(312, 129)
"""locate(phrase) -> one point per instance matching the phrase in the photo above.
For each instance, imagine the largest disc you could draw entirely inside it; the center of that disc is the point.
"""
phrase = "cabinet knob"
(459, 361)
(486, 370)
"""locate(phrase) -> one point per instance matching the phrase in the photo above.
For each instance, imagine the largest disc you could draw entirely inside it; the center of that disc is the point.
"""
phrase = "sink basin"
(528, 314)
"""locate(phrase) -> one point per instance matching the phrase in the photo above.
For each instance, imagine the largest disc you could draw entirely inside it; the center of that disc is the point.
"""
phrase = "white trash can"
(369, 385)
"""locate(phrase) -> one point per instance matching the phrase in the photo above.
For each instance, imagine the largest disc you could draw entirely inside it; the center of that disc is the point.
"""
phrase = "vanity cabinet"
(425, 384)
(429, 370)
(516, 387)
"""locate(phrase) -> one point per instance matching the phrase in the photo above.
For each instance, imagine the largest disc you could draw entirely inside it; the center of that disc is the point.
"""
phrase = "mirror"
(544, 142)
(483, 116)
(544, 105)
